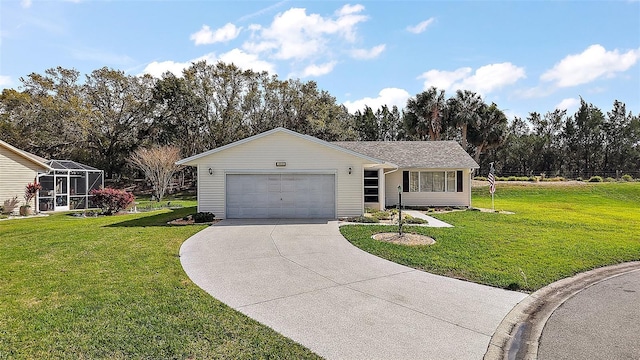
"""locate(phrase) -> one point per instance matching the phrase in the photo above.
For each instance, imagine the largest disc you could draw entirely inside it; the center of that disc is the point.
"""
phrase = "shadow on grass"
(160, 219)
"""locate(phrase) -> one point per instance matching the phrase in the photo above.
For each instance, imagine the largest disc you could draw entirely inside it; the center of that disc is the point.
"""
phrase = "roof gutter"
(392, 170)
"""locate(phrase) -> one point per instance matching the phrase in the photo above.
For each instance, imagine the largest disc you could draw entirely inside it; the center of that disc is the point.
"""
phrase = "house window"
(433, 181)
(371, 186)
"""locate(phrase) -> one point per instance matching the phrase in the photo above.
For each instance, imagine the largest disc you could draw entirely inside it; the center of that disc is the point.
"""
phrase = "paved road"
(600, 322)
(307, 282)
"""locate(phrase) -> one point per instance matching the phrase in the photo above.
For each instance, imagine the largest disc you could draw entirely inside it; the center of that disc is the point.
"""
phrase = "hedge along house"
(284, 174)
(17, 169)
(67, 186)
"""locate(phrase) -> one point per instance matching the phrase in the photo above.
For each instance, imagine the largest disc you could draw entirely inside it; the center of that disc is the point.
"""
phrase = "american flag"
(492, 180)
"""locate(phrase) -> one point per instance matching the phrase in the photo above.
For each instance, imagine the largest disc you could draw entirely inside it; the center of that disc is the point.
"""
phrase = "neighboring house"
(284, 174)
(65, 184)
(17, 169)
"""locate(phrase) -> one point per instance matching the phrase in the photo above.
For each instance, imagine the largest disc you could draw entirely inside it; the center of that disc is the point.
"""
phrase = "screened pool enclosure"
(67, 186)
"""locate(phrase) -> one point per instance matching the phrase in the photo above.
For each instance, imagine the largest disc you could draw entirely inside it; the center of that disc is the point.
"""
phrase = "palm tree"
(489, 132)
(426, 113)
(465, 109)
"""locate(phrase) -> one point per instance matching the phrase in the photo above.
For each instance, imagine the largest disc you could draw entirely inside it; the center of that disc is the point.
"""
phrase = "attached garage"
(281, 174)
(285, 195)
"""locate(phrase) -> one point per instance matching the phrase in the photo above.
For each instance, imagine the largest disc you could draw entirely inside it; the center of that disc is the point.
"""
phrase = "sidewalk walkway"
(433, 222)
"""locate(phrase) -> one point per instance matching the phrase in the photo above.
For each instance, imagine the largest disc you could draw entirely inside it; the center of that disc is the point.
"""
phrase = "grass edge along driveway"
(556, 232)
(113, 287)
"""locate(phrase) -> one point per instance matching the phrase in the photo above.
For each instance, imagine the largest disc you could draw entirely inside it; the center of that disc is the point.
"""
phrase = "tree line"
(101, 119)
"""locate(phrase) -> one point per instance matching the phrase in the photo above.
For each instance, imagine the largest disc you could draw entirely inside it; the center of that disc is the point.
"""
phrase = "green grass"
(556, 232)
(113, 287)
(144, 203)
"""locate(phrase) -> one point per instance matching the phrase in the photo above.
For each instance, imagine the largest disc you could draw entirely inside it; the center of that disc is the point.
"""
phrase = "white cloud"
(484, 80)
(534, 92)
(318, 70)
(25, 4)
(386, 96)
(235, 56)
(444, 79)
(365, 54)
(246, 61)
(350, 9)
(5, 80)
(568, 104)
(294, 34)
(206, 36)
(593, 63)
(262, 11)
(157, 68)
(421, 27)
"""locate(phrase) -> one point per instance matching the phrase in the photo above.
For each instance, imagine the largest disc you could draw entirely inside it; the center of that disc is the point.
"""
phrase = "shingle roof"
(414, 154)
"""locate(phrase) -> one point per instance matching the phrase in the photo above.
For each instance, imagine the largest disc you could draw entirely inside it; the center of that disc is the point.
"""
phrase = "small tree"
(111, 201)
(158, 165)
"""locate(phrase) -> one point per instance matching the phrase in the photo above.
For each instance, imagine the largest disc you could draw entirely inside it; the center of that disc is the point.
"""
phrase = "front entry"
(257, 196)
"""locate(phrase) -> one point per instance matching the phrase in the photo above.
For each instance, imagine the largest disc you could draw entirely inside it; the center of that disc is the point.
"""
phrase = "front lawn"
(556, 231)
(113, 287)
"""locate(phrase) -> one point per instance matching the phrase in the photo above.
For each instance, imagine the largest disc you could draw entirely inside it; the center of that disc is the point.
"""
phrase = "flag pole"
(492, 185)
(493, 207)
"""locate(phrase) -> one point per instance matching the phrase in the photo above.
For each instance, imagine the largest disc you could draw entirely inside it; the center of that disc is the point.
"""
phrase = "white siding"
(427, 198)
(301, 156)
(15, 173)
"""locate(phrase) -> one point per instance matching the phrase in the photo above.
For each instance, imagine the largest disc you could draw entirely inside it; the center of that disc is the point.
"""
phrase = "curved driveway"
(304, 280)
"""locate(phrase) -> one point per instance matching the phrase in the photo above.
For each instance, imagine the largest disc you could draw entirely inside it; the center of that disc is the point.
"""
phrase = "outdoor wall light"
(210, 171)
(350, 170)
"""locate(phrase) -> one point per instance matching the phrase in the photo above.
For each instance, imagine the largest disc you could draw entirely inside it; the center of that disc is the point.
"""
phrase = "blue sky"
(523, 55)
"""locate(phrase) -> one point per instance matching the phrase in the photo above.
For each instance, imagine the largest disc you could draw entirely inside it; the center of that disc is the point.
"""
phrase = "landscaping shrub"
(203, 217)
(609, 179)
(554, 179)
(382, 215)
(30, 192)
(111, 201)
(365, 219)
(9, 205)
(627, 177)
(533, 179)
(595, 179)
(412, 220)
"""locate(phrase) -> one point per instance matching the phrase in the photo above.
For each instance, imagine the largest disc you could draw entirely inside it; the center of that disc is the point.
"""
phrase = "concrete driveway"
(304, 280)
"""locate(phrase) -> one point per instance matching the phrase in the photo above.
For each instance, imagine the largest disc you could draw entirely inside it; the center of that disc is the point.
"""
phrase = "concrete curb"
(518, 335)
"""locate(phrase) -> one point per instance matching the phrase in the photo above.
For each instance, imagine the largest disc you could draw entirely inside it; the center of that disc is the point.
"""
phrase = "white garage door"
(257, 196)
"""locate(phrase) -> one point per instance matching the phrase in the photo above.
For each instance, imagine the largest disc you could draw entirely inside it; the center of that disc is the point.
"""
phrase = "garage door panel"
(280, 196)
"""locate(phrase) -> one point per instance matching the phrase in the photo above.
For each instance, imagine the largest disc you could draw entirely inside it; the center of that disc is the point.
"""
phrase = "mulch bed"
(404, 239)
(191, 222)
